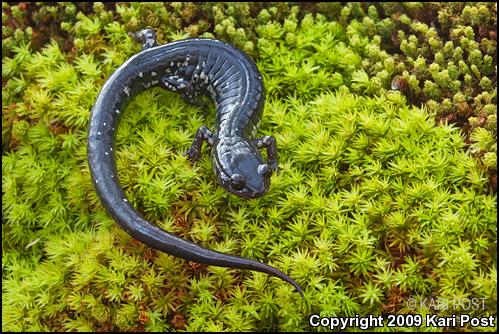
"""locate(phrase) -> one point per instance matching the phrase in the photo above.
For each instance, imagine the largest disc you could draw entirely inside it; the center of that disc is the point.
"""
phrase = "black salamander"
(191, 67)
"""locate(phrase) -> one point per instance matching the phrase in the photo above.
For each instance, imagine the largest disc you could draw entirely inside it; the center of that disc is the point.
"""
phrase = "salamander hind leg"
(203, 134)
(181, 85)
(147, 37)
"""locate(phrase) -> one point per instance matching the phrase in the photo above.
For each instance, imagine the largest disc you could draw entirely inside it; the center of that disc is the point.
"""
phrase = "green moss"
(376, 202)
(457, 57)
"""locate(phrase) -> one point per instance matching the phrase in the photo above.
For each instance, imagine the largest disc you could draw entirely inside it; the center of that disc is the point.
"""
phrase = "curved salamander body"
(190, 67)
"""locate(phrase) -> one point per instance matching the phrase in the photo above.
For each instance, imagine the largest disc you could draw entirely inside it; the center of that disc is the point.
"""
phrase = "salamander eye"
(264, 169)
(237, 181)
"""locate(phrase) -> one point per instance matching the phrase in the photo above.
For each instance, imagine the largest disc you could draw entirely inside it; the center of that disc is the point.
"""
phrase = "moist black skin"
(190, 67)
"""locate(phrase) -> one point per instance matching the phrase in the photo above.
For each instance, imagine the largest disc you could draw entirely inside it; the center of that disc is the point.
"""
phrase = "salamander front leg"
(203, 134)
(270, 144)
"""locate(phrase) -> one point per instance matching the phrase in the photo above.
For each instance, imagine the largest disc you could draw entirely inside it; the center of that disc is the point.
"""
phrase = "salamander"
(191, 67)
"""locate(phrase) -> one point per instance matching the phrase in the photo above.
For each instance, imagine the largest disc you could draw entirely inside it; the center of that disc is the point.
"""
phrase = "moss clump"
(375, 203)
(442, 55)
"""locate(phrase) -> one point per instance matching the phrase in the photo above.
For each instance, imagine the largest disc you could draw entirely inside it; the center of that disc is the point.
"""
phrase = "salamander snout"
(248, 176)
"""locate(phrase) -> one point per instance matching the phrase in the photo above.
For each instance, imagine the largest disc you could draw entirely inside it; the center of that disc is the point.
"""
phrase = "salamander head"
(241, 170)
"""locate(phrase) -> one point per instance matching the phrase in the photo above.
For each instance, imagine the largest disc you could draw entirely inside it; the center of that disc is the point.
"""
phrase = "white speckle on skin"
(179, 64)
(106, 153)
(99, 133)
(140, 74)
(117, 111)
(171, 63)
(125, 200)
(126, 90)
(111, 149)
(96, 181)
(112, 176)
(153, 74)
(104, 124)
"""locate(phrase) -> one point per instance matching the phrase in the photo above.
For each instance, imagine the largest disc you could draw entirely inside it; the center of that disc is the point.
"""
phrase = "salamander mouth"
(247, 191)
(250, 194)
(251, 189)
